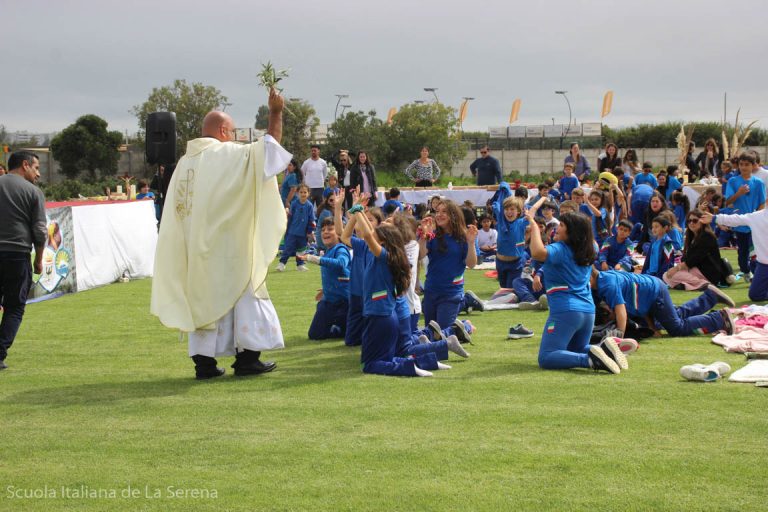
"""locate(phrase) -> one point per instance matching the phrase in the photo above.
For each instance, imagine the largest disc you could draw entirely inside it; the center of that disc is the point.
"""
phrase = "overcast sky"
(664, 60)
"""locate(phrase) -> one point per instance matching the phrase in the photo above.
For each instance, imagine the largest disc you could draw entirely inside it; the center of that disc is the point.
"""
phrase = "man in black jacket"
(486, 168)
(22, 210)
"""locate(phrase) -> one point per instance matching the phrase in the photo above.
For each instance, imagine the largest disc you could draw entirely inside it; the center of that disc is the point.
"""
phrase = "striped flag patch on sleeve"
(379, 295)
(458, 279)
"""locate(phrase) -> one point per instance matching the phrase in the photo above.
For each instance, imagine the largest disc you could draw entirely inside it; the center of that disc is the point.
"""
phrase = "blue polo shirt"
(749, 202)
(334, 272)
(647, 179)
(636, 291)
(289, 182)
(672, 184)
(612, 252)
(567, 284)
(360, 257)
(301, 221)
(378, 287)
(445, 273)
(568, 184)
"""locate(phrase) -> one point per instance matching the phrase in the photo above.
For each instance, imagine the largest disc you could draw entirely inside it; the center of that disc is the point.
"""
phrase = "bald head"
(218, 125)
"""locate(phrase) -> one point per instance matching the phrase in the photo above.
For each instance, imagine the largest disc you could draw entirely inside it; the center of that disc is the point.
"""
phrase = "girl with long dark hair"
(450, 245)
(386, 278)
(567, 266)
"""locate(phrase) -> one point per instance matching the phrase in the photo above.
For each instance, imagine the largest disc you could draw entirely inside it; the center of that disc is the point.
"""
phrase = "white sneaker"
(422, 373)
(280, 267)
(699, 372)
(302, 268)
(443, 366)
(455, 347)
(720, 367)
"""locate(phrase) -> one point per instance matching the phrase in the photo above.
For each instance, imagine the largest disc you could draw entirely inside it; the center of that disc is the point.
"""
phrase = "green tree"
(262, 118)
(357, 131)
(190, 102)
(433, 125)
(299, 127)
(86, 145)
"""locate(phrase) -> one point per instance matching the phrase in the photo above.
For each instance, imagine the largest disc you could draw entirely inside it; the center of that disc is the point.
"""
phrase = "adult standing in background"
(486, 168)
(342, 162)
(315, 170)
(580, 164)
(611, 160)
(363, 175)
(708, 160)
(22, 210)
(424, 172)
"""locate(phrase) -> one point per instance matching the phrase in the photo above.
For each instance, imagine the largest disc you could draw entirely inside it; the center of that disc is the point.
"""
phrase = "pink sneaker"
(627, 345)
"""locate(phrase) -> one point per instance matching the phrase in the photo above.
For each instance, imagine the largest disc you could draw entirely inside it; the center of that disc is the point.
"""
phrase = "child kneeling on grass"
(567, 265)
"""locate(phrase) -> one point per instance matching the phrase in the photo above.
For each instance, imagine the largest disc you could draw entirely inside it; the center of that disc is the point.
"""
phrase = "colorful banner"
(59, 275)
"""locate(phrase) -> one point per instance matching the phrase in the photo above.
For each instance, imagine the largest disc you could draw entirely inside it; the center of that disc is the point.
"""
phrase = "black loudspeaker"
(161, 138)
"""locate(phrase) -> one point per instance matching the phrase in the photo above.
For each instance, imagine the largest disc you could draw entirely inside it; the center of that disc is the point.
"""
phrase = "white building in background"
(25, 137)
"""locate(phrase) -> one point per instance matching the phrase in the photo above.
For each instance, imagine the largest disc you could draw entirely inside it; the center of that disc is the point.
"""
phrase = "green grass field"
(100, 398)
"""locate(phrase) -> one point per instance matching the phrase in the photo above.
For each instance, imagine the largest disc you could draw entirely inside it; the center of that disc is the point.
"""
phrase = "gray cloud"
(664, 60)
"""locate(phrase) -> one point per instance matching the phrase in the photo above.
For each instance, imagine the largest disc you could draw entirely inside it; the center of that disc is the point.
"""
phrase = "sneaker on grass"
(280, 267)
(611, 347)
(519, 331)
(599, 360)
(473, 302)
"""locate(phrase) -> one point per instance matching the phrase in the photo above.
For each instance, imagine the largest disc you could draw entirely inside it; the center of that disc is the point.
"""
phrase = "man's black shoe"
(3, 366)
(205, 368)
(254, 368)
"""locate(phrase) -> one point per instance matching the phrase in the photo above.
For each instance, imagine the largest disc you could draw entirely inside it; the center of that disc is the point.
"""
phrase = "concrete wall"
(538, 161)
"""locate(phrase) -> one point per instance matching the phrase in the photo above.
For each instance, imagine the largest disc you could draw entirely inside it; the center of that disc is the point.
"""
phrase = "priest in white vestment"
(221, 228)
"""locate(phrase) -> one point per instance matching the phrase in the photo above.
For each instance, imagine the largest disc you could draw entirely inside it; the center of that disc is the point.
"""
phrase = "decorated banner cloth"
(223, 223)
(94, 244)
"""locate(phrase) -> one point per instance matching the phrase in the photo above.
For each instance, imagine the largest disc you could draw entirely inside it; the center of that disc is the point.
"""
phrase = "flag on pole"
(607, 102)
(391, 114)
(463, 111)
(515, 111)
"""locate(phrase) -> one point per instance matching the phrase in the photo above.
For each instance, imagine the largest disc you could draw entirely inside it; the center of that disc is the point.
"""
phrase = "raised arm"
(275, 122)
(471, 260)
(338, 204)
(367, 233)
(538, 250)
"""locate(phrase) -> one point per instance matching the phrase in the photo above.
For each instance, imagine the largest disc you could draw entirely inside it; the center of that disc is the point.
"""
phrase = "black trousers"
(15, 281)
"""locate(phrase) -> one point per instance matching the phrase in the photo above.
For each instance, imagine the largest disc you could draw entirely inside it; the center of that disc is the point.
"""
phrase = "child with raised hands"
(567, 265)
(387, 275)
(510, 239)
(450, 245)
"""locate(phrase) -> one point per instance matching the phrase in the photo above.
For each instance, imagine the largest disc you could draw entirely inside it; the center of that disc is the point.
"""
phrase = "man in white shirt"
(315, 170)
(758, 171)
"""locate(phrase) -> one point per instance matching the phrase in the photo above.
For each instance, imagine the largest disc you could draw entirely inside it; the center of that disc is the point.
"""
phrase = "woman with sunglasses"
(701, 267)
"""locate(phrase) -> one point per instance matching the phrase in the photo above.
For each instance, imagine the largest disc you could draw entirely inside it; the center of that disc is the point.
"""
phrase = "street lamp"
(340, 96)
(343, 108)
(418, 102)
(433, 91)
(569, 109)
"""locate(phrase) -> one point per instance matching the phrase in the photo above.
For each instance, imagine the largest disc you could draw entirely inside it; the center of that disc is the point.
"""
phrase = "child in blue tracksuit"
(594, 208)
(449, 243)
(642, 296)
(324, 211)
(681, 205)
(510, 238)
(661, 254)
(568, 182)
(330, 320)
(567, 265)
(616, 251)
(355, 324)
(301, 226)
(386, 277)
(746, 194)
